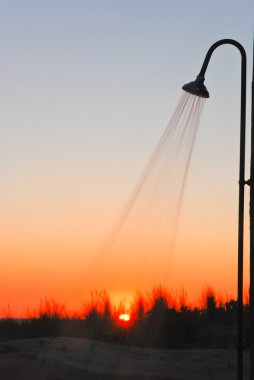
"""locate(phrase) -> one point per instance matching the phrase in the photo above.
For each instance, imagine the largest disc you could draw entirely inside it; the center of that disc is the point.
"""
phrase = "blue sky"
(87, 88)
(103, 75)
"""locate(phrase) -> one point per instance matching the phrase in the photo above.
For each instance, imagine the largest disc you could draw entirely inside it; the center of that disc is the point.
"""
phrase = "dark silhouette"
(161, 325)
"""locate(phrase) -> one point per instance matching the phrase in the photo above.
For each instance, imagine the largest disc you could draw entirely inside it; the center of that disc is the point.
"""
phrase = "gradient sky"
(86, 90)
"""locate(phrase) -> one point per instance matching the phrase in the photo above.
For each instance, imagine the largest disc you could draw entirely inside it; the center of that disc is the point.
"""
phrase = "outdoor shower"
(198, 88)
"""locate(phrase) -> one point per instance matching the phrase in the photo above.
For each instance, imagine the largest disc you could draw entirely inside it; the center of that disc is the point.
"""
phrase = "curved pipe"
(242, 182)
(225, 41)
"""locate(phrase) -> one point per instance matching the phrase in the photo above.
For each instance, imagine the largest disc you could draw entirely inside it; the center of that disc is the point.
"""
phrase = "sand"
(76, 359)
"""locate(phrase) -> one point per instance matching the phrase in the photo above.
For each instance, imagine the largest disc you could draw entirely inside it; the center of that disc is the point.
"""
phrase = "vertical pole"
(240, 283)
(251, 314)
(241, 221)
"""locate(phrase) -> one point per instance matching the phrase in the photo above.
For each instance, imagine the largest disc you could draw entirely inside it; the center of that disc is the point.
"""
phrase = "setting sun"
(124, 317)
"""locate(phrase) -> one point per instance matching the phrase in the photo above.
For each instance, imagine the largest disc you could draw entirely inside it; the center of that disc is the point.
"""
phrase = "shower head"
(197, 87)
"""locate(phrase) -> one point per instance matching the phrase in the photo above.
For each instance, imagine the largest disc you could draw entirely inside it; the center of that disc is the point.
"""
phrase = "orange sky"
(65, 262)
(86, 93)
(54, 229)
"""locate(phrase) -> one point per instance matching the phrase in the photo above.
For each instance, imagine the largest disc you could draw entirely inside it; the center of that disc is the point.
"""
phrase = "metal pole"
(251, 314)
(241, 223)
(242, 182)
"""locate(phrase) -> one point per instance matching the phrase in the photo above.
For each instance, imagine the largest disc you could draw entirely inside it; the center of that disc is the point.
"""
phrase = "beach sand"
(76, 359)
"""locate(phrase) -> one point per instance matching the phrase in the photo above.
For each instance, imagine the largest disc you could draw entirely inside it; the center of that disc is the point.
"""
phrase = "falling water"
(140, 248)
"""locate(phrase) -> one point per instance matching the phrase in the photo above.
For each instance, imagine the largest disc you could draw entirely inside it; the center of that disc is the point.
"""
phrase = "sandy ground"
(76, 359)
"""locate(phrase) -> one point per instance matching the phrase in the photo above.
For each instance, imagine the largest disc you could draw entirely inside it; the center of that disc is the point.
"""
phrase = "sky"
(87, 88)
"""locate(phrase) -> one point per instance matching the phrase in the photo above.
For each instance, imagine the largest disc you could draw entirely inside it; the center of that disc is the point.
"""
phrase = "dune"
(76, 359)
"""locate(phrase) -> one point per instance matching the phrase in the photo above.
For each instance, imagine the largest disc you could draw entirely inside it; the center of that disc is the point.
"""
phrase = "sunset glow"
(124, 317)
(94, 190)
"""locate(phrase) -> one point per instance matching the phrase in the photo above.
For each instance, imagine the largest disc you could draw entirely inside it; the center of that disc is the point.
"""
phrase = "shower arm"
(226, 41)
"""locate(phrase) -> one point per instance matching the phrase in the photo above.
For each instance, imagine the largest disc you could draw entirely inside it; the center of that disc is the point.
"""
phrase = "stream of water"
(141, 247)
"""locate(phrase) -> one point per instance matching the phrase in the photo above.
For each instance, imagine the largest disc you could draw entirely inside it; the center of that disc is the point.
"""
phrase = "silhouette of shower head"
(197, 87)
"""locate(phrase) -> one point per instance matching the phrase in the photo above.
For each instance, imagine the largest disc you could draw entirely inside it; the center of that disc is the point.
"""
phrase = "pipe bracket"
(243, 182)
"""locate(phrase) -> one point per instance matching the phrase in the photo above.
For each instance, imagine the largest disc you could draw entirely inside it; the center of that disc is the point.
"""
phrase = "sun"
(124, 317)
